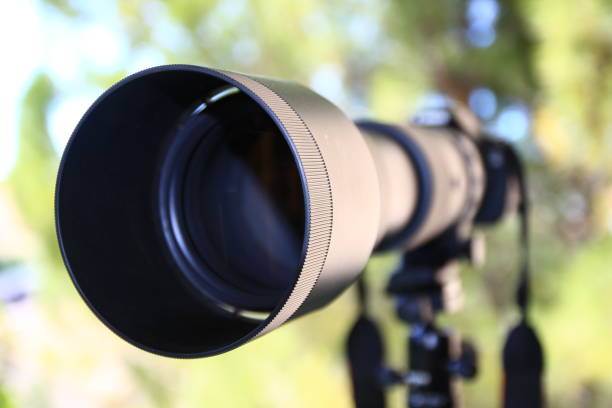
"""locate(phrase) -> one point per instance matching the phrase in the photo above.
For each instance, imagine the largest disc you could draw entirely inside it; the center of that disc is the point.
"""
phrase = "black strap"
(365, 353)
(362, 294)
(522, 356)
(522, 290)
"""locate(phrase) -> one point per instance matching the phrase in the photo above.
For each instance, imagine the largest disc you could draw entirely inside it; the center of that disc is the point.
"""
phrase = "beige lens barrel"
(457, 177)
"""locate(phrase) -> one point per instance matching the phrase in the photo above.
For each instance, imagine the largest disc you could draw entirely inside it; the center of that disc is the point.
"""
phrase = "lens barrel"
(197, 209)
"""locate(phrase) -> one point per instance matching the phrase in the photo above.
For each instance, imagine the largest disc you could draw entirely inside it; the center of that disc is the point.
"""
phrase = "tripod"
(425, 284)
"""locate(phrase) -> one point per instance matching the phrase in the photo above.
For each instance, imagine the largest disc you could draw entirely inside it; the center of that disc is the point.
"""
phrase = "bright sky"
(36, 38)
(20, 35)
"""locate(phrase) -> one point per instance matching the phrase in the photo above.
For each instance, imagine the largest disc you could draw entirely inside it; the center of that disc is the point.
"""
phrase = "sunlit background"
(537, 72)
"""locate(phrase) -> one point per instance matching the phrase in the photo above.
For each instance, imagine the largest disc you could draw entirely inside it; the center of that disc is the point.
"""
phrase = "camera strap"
(523, 359)
(365, 354)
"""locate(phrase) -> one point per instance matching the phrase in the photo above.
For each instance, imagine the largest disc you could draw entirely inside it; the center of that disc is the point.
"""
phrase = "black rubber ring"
(424, 182)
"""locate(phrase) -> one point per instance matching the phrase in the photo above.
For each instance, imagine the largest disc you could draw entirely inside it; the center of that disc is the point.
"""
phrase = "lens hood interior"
(113, 237)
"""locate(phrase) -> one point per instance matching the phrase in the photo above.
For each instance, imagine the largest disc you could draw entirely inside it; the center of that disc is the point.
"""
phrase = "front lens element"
(240, 203)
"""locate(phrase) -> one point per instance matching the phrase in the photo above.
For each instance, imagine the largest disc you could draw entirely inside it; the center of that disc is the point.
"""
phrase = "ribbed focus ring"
(319, 200)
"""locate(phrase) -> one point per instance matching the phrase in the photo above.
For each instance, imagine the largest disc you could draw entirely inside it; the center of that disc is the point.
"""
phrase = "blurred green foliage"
(34, 174)
(553, 57)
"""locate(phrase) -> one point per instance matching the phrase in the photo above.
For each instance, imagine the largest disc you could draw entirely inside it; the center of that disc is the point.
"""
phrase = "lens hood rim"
(321, 277)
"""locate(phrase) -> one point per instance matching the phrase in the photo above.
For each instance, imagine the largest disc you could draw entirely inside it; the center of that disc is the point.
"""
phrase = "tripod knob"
(466, 365)
(474, 249)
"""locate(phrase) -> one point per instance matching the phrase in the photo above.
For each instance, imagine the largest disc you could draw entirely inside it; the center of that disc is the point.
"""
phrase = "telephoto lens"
(197, 209)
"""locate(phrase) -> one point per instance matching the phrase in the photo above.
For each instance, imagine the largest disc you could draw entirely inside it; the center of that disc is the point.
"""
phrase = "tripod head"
(425, 284)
